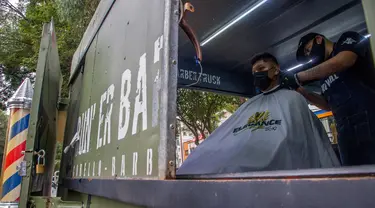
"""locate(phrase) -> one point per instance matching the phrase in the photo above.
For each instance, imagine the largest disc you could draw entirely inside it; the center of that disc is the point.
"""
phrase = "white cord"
(74, 140)
(199, 78)
(181, 11)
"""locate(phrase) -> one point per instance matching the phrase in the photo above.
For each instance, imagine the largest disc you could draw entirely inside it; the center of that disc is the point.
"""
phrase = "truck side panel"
(122, 103)
(89, 35)
(42, 125)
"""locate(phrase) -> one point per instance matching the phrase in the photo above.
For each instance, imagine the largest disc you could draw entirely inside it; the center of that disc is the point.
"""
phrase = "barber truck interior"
(118, 125)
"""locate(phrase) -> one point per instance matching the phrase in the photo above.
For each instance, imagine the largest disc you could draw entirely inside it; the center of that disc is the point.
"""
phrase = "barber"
(346, 75)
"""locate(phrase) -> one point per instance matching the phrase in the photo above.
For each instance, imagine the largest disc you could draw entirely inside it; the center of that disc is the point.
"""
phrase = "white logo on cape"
(260, 120)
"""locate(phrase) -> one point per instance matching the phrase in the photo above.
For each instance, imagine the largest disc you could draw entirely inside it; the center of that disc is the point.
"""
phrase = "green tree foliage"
(58, 155)
(12, 50)
(20, 30)
(78, 11)
(201, 112)
(77, 15)
(11, 11)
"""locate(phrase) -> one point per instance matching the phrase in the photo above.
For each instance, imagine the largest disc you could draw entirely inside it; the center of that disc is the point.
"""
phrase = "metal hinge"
(21, 168)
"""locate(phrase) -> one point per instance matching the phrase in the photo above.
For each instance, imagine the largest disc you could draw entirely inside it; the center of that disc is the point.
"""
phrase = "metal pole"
(181, 144)
(369, 10)
(19, 105)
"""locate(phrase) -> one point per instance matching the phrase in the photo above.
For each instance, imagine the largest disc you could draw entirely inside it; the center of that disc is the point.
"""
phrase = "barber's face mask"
(318, 52)
(262, 80)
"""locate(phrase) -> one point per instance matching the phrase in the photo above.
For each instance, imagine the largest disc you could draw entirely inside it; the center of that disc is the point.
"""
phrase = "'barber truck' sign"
(120, 96)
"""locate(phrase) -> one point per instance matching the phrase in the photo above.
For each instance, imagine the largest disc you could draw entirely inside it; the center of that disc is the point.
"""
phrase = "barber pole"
(19, 106)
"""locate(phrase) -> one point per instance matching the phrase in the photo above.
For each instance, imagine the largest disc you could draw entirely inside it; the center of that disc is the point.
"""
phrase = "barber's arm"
(340, 62)
(314, 98)
(348, 48)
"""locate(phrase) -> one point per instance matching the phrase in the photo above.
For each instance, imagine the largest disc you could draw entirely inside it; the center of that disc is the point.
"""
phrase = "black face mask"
(262, 80)
(318, 53)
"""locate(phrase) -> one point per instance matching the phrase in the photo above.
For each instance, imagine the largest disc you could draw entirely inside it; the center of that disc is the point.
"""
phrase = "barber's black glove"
(289, 80)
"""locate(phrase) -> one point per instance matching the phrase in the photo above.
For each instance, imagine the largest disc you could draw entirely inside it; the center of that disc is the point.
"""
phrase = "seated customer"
(274, 130)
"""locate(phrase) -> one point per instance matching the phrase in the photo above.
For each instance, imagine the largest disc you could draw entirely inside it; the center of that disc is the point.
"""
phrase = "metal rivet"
(171, 126)
(174, 62)
(176, 12)
(171, 163)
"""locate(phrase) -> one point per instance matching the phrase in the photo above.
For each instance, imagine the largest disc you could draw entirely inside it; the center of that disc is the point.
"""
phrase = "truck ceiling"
(274, 26)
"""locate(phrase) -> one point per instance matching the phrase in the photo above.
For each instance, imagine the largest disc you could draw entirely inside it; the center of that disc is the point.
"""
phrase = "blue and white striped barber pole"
(19, 106)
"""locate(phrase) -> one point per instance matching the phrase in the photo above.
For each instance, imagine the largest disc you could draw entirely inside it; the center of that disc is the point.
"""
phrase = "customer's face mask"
(261, 80)
(264, 73)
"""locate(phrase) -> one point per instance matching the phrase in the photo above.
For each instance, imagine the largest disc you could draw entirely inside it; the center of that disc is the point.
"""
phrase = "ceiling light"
(232, 22)
(297, 66)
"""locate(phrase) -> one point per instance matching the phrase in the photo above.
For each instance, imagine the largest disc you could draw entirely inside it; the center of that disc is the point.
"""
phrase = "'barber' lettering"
(107, 119)
(195, 76)
(101, 119)
(140, 105)
(124, 112)
(155, 100)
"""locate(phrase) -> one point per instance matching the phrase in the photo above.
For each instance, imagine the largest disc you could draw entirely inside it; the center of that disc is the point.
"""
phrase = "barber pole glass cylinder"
(19, 106)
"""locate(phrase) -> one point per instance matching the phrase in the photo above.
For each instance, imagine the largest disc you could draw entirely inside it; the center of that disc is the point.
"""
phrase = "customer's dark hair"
(263, 57)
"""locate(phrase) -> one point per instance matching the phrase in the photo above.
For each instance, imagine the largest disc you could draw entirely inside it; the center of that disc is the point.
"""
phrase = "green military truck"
(120, 143)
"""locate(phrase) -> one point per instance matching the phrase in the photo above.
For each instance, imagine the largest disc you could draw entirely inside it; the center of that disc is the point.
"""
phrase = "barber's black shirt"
(354, 86)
